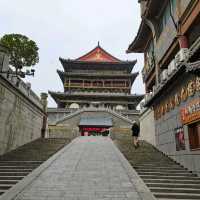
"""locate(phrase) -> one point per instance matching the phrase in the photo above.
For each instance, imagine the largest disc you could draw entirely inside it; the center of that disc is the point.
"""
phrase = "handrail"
(95, 110)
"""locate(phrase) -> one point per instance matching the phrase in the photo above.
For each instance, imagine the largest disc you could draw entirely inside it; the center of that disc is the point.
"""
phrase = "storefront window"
(194, 136)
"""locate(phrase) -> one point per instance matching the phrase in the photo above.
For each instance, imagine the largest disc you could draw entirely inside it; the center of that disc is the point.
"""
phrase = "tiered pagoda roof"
(98, 58)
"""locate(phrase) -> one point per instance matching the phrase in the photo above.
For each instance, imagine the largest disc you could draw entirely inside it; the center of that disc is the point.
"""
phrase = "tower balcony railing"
(76, 85)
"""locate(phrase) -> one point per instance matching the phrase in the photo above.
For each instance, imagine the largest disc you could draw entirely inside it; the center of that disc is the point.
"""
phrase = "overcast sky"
(71, 28)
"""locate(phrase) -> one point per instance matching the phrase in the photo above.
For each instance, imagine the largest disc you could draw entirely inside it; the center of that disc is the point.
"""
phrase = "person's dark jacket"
(135, 130)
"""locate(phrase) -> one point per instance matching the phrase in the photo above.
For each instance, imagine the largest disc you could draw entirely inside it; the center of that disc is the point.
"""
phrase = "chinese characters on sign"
(175, 100)
(191, 112)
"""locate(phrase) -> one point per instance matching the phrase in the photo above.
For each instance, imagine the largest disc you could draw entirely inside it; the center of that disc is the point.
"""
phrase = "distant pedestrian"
(135, 133)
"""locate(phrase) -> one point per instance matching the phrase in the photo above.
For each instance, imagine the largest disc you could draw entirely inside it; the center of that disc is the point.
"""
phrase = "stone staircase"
(18, 163)
(165, 178)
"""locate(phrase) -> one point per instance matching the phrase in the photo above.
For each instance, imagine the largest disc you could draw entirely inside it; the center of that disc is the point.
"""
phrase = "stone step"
(159, 167)
(5, 186)
(175, 190)
(177, 196)
(164, 164)
(161, 170)
(169, 177)
(171, 181)
(173, 185)
(14, 173)
(186, 173)
(15, 170)
(20, 161)
(171, 199)
(17, 167)
(11, 177)
(11, 182)
(21, 164)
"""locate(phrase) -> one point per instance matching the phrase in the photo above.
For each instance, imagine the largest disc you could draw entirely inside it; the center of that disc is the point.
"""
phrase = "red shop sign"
(92, 129)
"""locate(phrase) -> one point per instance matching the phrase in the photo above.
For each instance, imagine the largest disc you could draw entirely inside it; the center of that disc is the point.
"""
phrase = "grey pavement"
(90, 168)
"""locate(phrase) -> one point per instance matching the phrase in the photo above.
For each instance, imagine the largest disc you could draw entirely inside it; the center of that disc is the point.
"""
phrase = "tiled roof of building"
(98, 54)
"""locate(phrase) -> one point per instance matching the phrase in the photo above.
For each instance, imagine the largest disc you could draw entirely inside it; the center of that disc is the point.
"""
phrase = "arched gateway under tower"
(97, 95)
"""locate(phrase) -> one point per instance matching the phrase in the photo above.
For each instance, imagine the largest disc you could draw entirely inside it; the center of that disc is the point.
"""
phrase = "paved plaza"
(90, 168)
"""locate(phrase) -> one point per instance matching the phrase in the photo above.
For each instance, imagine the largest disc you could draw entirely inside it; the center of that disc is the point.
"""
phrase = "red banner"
(93, 129)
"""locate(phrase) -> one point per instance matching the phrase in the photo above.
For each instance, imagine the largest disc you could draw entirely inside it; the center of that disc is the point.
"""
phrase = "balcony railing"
(90, 86)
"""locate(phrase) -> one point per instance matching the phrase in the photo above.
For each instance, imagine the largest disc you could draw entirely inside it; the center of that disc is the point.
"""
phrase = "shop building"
(169, 37)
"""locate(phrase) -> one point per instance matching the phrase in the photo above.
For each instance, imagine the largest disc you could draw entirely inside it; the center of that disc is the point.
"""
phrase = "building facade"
(169, 37)
(96, 82)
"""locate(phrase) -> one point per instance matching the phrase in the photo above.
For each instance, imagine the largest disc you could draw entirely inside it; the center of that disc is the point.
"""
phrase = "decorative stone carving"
(198, 84)
(184, 94)
(191, 88)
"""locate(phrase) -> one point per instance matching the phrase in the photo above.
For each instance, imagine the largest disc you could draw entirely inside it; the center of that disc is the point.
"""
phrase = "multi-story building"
(169, 37)
(96, 81)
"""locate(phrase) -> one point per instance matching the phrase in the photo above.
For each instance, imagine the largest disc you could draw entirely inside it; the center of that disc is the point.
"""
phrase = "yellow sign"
(175, 100)
(191, 112)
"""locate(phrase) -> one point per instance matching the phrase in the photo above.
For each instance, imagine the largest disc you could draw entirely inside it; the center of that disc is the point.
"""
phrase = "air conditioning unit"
(171, 67)
(164, 75)
(182, 55)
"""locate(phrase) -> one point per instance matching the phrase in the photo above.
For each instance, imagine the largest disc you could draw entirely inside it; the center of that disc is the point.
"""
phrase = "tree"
(23, 51)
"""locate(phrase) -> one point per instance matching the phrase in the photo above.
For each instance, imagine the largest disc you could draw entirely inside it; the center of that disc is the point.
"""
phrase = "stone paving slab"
(90, 168)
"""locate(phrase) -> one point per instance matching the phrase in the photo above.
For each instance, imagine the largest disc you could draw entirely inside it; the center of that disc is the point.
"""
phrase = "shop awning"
(96, 121)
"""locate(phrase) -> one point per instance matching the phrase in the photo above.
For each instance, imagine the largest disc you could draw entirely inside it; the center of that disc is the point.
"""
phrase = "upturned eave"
(63, 74)
(139, 43)
(153, 10)
(74, 64)
(61, 95)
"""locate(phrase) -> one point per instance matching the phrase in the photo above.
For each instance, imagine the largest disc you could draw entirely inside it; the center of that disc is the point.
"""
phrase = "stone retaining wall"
(21, 111)
(68, 127)
(147, 126)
